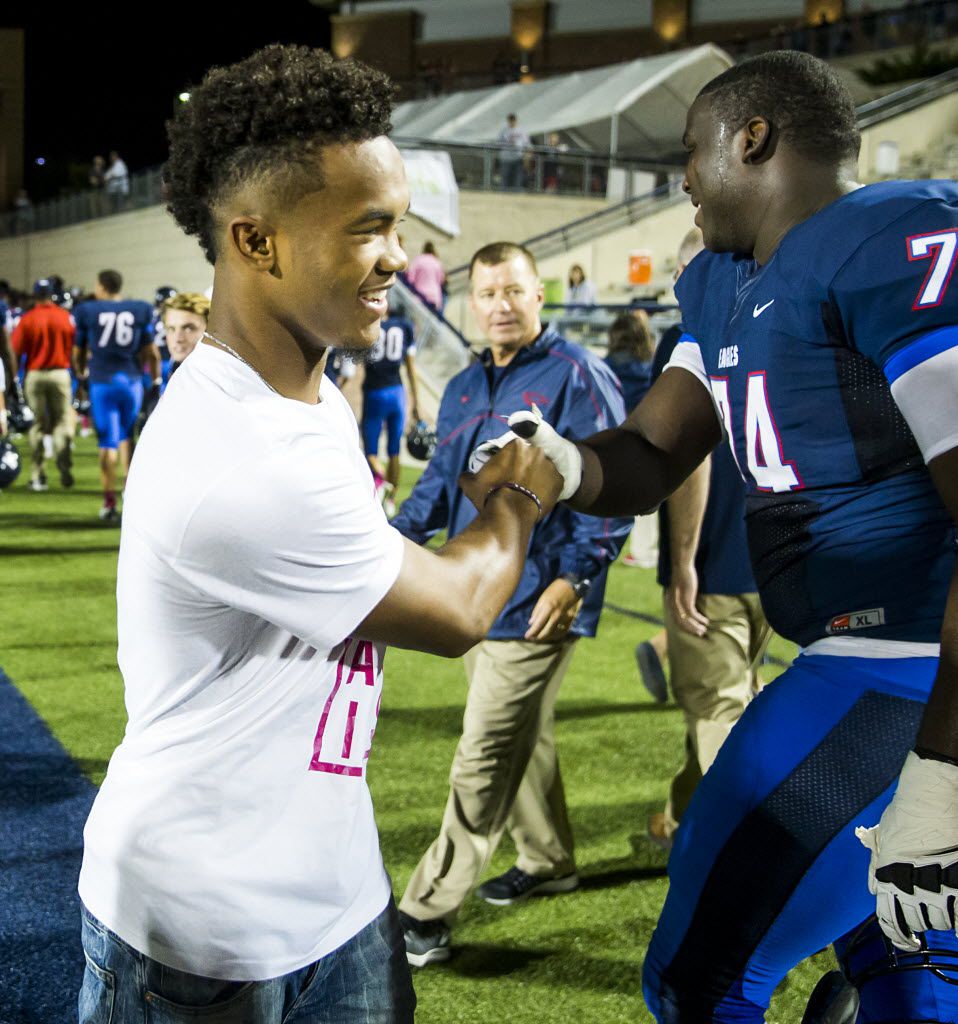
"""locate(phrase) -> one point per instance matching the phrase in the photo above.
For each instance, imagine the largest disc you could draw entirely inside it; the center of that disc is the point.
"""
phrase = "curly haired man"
(231, 868)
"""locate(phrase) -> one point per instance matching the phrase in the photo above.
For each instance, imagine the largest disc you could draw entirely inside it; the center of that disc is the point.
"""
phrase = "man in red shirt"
(45, 336)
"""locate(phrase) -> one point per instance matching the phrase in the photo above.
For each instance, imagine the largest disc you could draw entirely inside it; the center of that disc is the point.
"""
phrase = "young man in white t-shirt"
(231, 864)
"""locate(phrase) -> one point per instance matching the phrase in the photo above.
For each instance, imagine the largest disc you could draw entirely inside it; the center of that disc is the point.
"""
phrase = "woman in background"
(580, 291)
(427, 277)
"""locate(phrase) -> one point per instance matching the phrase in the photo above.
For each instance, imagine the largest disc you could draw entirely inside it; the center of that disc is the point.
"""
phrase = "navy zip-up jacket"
(579, 395)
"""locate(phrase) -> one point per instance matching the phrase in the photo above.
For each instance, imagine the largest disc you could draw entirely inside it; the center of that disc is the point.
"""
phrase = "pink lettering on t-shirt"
(344, 708)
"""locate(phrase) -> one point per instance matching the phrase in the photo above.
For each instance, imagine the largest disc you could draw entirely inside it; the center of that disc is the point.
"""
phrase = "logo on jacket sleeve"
(856, 620)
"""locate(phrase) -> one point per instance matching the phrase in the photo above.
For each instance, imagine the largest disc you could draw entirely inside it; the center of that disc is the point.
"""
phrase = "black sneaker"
(515, 885)
(651, 672)
(65, 465)
(427, 942)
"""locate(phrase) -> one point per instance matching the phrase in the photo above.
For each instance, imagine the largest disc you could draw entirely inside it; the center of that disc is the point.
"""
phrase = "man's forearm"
(686, 509)
(488, 557)
(154, 366)
(623, 474)
(632, 469)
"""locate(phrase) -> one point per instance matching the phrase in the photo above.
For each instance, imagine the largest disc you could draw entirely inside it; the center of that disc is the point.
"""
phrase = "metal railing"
(909, 98)
(584, 229)
(564, 170)
(145, 189)
(441, 351)
(589, 325)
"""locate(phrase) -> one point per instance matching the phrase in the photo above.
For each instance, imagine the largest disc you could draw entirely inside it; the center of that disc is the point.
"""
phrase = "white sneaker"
(389, 507)
(38, 484)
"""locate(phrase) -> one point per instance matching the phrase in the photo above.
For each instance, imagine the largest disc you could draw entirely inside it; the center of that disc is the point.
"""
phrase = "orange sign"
(640, 266)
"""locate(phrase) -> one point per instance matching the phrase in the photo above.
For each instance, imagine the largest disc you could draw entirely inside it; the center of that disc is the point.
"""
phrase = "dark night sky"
(106, 75)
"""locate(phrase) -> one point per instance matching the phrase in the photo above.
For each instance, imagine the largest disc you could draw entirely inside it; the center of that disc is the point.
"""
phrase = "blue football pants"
(115, 405)
(384, 405)
(766, 869)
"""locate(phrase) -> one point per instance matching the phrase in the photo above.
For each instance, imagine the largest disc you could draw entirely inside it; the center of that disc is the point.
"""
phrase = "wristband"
(157, 382)
(932, 755)
(512, 486)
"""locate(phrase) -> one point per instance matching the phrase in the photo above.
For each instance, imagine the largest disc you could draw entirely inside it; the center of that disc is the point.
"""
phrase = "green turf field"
(568, 958)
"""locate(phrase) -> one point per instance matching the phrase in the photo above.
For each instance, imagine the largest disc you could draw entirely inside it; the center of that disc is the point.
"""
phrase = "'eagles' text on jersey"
(834, 369)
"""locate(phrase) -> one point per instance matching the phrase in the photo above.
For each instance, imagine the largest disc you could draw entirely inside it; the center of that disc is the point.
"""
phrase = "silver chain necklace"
(245, 362)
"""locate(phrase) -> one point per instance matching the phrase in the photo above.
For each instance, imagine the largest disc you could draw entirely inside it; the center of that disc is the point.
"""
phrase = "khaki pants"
(713, 679)
(50, 397)
(505, 775)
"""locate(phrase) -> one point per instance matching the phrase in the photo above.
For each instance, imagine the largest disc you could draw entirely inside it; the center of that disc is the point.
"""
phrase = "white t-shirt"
(234, 834)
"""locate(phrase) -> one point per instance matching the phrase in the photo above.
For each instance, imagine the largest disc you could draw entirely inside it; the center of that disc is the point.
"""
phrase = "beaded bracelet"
(512, 486)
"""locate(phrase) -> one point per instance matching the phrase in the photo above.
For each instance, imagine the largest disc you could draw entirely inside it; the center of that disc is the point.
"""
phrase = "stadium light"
(184, 97)
(41, 161)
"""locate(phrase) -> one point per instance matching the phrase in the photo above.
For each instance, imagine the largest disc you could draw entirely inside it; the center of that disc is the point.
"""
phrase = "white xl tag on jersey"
(856, 620)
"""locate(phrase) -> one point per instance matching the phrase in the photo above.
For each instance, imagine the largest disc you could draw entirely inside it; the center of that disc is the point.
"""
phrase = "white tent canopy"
(634, 109)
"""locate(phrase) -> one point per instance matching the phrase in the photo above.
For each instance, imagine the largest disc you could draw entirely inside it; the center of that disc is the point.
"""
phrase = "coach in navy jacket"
(578, 395)
(506, 771)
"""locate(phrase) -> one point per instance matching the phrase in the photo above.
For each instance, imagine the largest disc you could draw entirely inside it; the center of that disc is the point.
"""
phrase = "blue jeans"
(365, 981)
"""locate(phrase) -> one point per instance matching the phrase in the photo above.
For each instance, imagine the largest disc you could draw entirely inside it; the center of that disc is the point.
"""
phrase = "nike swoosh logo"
(759, 310)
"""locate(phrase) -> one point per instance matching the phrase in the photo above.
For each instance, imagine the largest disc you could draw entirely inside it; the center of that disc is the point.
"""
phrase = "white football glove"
(914, 853)
(563, 454)
(485, 451)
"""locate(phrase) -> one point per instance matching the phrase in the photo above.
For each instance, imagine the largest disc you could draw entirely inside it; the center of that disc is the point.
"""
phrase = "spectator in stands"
(117, 182)
(513, 143)
(184, 320)
(505, 773)
(631, 346)
(97, 183)
(44, 337)
(581, 291)
(22, 213)
(427, 276)
(552, 169)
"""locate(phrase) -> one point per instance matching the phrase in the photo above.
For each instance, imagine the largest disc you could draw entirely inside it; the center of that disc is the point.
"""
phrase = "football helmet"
(20, 416)
(164, 292)
(421, 441)
(9, 463)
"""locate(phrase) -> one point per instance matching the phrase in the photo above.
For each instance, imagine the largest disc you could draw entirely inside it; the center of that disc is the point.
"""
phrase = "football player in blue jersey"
(384, 398)
(821, 340)
(113, 340)
(163, 293)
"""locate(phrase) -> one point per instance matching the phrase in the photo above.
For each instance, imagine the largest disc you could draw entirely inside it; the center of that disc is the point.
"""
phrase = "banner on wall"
(433, 192)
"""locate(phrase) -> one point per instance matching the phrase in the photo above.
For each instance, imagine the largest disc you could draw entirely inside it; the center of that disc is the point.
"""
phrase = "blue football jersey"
(159, 335)
(831, 368)
(114, 333)
(396, 341)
